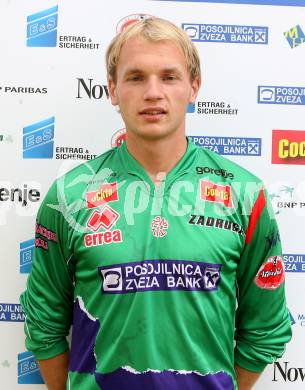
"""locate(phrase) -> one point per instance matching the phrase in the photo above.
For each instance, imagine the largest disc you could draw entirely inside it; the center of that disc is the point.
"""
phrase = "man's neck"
(157, 157)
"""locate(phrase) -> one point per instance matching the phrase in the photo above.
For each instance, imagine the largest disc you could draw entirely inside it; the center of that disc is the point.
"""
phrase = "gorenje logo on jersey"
(295, 36)
(230, 146)
(294, 262)
(38, 139)
(226, 33)
(288, 147)
(281, 95)
(11, 312)
(108, 192)
(42, 28)
(218, 172)
(212, 192)
(26, 256)
(159, 275)
(28, 369)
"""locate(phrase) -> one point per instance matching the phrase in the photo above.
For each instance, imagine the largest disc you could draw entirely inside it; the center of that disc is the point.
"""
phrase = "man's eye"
(134, 78)
(169, 78)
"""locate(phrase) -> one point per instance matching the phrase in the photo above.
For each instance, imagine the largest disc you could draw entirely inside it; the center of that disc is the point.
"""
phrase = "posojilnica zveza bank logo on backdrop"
(224, 33)
(42, 32)
(271, 94)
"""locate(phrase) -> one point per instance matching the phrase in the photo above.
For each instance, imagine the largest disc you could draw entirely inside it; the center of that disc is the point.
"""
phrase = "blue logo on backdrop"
(281, 95)
(26, 255)
(11, 312)
(233, 146)
(38, 139)
(28, 369)
(42, 28)
(294, 262)
(295, 36)
(190, 108)
(226, 33)
(292, 3)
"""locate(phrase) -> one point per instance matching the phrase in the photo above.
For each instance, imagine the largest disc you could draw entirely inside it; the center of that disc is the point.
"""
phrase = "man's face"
(152, 88)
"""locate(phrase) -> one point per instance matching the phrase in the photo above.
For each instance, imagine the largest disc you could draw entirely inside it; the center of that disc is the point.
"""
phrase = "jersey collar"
(131, 166)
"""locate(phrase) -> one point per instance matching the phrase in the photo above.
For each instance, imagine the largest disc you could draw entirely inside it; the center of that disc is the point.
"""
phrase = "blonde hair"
(154, 29)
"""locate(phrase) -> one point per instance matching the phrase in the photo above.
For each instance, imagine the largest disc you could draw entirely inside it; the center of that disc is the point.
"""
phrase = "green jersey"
(149, 276)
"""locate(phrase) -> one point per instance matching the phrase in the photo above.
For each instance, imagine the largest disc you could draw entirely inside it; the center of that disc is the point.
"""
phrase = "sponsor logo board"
(28, 369)
(294, 262)
(230, 146)
(42, 31)
(26, 256)
(288, 147)
(271, 94)
(129, 20)
(225, 33)
(288, 372)
(160, 275)
(295, 36)
(11, 312)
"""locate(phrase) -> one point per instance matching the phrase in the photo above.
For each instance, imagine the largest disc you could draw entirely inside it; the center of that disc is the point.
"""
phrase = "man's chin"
(153, 135)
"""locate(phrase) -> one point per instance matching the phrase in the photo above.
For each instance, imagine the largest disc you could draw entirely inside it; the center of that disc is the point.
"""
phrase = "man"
(152, 243)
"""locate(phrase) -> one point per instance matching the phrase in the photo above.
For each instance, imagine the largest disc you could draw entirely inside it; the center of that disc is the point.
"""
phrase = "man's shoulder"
(90, 174)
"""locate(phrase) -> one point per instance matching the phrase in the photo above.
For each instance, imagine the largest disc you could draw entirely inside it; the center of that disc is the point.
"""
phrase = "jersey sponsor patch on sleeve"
(271, 274)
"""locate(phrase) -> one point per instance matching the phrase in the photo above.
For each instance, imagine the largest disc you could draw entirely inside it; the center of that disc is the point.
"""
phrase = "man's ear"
(196, 83)
(112, 92)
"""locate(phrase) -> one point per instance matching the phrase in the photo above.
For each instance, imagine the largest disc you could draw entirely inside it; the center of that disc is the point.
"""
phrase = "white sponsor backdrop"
(231, 74)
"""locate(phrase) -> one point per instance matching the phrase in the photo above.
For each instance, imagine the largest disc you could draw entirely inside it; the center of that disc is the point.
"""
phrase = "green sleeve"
(262, 321)
(48, 299)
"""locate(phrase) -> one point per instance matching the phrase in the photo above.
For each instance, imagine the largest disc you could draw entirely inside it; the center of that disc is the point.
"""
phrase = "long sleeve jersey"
(166, 287)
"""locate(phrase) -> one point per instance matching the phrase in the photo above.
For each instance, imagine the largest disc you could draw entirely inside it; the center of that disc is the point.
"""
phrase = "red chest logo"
(106, 193)
(213, 192)
(106, 218)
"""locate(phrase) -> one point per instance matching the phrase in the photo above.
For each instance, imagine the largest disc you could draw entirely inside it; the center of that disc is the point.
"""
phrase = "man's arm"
(262, 322)
(245, 379)
(55, 371)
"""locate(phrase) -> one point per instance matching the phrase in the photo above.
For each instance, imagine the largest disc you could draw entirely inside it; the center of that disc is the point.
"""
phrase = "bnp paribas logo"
(42, 28)
(38, 139)
(295, 36)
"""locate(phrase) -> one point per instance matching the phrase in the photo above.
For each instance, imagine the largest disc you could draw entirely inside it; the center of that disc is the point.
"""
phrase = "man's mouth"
(153, 112)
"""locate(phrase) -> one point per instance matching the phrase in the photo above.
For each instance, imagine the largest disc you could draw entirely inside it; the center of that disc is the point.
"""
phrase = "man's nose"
(153, 89)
